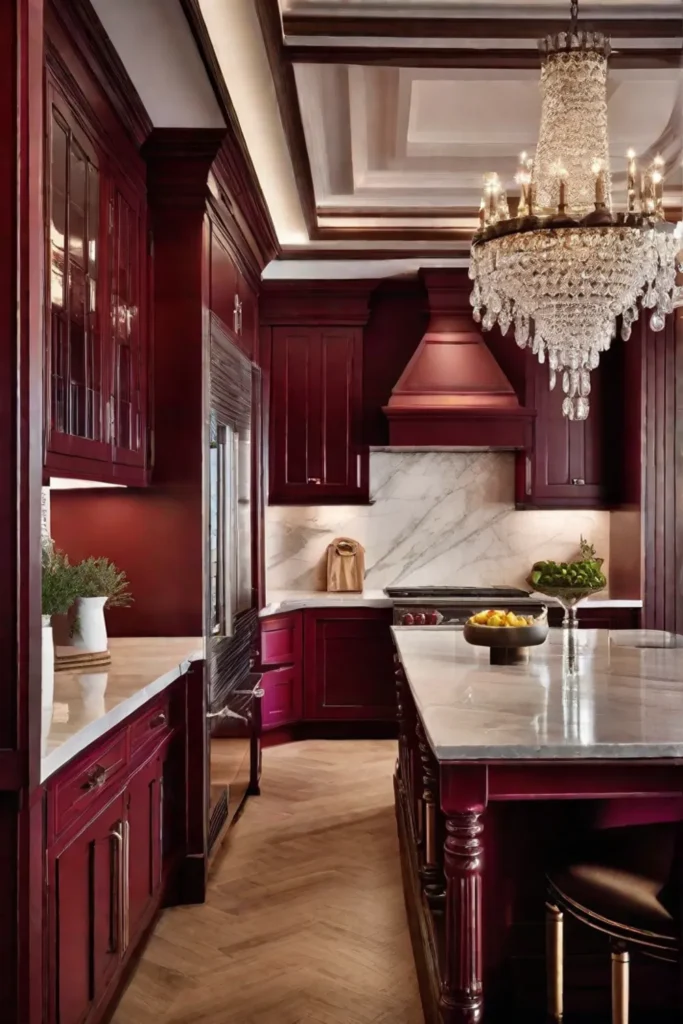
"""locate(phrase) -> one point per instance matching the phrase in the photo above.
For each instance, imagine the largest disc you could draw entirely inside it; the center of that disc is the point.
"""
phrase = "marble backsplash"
(438, 518)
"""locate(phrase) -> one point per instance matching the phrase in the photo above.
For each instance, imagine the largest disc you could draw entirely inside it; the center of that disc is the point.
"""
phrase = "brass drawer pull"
(96, 779)
(158, 720)
(117, 888)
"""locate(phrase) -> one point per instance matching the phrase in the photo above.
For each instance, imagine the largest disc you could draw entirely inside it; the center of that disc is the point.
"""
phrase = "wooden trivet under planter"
(69, 660)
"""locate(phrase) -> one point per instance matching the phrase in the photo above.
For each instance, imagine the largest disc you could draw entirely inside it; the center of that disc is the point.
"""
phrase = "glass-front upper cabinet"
(97, 260)
(77, 399)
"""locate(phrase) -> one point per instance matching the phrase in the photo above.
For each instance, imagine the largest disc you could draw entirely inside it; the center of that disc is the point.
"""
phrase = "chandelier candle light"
(566, 267)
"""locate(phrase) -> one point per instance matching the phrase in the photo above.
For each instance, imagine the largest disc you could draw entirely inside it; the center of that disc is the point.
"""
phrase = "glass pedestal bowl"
(568, 597)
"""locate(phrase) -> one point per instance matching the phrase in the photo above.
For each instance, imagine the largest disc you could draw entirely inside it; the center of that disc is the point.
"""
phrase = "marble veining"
(438, 518)
(87, 705)
(622, 697)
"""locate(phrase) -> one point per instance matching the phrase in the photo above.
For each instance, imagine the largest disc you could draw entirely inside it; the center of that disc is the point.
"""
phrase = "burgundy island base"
(498, 768)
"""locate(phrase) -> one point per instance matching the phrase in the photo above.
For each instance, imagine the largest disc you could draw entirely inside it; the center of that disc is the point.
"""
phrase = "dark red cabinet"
(231, 298)
(573, 464)
(315, 416)
(282, 700)
(281, 646)
(88, 912)
(348, 664)
(144, 823)
(109, 849)
(327, 664)
(76, 321)
(96, 329)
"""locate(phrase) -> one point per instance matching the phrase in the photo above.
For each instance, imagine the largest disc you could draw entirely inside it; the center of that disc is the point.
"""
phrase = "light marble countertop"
(279, 601)
(87, 705)
(623, 698)
(291, 600)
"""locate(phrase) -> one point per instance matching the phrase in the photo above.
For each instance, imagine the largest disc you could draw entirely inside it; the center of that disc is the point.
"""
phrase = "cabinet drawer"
(92, 775)
(150, 726)
(282, 697)
(280, 640)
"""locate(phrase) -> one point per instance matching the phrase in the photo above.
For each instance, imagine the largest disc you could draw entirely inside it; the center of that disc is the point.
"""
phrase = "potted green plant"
(59, 591)
(100, 584)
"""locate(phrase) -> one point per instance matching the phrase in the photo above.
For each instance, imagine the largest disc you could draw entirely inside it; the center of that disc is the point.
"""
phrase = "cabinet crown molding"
(342, 303)
(178, 164)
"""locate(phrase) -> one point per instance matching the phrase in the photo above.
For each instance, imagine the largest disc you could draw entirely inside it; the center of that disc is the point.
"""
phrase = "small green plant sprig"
(98, 577)
(59, 581)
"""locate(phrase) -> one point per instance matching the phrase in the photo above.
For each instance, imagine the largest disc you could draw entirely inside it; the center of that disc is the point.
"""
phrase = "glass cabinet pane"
(75, 335)
(58, 327)
(125, 290)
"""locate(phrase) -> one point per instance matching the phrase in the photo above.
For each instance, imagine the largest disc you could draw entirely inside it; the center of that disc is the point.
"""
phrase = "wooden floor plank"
(304, 921)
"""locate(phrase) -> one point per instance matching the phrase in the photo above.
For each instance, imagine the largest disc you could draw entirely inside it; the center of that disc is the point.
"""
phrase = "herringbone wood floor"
(304, 922)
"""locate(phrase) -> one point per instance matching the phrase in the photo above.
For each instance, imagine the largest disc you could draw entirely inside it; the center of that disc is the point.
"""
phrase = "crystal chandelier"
(566, 267)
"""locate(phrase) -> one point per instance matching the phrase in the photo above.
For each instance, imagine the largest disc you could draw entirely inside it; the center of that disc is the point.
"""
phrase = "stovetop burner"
(434, 593)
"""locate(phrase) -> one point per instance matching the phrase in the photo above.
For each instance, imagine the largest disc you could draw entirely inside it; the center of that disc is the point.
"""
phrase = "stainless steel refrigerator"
(231, 620)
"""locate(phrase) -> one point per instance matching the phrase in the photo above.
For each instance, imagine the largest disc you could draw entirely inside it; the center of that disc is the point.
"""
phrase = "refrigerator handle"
(228, 531)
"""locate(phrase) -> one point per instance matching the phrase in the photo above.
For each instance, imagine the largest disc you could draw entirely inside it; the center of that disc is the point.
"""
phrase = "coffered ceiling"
(391, 111)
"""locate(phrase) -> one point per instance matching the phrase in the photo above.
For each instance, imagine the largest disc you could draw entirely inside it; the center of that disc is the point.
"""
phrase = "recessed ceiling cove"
(395, 109)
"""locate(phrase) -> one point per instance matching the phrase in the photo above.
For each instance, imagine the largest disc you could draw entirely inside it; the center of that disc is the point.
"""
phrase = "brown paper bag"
(345, 565)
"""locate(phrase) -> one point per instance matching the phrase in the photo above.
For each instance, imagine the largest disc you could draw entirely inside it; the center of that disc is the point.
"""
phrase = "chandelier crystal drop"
(566, 267)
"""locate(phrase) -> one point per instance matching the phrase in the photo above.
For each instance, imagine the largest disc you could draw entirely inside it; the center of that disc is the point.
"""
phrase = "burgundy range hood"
(453, 393)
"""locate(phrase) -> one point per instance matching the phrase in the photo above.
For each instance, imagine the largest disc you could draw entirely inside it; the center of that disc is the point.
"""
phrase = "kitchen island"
(498, 767)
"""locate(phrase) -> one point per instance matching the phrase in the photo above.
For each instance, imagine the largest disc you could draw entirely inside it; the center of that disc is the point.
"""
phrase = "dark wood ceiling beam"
(407, 212)
(288, 102)
(474, 28)
(419, 57)
(392, 234)
(421, 252)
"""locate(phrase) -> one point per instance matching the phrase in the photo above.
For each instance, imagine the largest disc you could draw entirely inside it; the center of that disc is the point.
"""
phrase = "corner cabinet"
(323, 665)
(96, 329)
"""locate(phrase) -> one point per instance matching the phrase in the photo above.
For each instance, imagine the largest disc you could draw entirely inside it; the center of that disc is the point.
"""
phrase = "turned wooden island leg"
(462, 998)
(430, 871)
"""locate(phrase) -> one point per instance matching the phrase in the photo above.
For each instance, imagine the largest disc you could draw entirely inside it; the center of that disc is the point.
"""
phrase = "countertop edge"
(290, 601)
(99, 727)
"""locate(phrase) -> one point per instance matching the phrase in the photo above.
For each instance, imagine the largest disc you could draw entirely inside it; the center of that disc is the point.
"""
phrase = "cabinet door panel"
(296, 441)
(88, 913)
(337, 370)
(316, 400)
(126, 256)
(281, 640)
(566, 467)
(76, 330)
(282, 701)
(348, 665)
(144, 819)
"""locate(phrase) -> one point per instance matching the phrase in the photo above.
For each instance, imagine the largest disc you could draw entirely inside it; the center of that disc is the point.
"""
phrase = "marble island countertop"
(87, 705)
(279, 601)
(622, 699)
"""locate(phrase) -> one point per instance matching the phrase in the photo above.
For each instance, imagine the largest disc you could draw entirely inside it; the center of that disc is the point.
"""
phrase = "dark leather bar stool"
(622, 882)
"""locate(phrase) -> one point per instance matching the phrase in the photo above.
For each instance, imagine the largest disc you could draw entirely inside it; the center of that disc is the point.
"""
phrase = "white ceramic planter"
(47, 663)
(89, 629)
